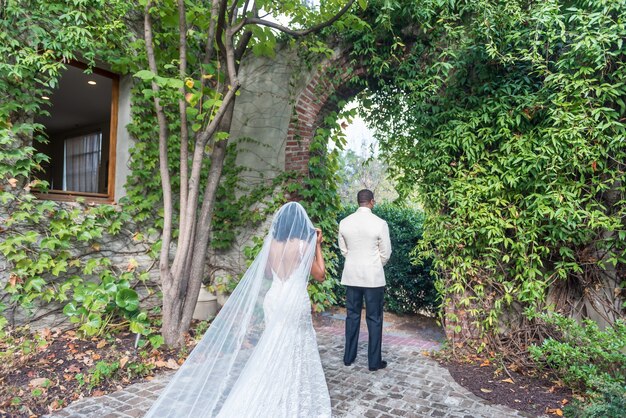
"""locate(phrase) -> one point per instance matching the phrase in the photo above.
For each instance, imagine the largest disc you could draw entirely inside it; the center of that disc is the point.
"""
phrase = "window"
(80, 132)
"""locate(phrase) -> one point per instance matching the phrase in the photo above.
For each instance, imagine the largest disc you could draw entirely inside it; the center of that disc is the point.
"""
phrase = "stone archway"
(314, 103)
(317, 98)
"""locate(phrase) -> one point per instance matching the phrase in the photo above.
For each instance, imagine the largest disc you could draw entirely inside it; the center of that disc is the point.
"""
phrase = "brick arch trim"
(309, 107)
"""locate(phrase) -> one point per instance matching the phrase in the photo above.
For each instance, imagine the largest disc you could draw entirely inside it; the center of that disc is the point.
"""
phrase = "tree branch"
(209, 49)
(288, 31)
(182, 106)
(166, 183)
(243, 44)
(233, 12)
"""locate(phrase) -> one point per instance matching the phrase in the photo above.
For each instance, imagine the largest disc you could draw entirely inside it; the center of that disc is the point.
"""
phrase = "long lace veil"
(255, 334)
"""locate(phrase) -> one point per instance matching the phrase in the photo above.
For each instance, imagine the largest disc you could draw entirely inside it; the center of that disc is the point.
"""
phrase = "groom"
(364, 242)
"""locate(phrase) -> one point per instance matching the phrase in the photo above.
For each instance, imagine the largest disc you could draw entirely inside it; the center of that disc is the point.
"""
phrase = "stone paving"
(413, 385)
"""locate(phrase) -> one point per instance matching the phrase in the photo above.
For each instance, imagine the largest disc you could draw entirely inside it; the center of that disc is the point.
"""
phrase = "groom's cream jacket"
(364, 242)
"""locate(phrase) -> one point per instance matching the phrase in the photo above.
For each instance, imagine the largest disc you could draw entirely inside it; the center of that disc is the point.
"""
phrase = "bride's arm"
(318, 269)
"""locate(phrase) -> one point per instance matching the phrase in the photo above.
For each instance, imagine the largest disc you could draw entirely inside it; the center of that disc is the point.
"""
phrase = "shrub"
(410, 287)
(610, 402)
(584, 356)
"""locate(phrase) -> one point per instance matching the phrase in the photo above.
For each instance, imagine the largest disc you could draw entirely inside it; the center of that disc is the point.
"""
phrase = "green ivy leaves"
(127, 299)
(508, 120)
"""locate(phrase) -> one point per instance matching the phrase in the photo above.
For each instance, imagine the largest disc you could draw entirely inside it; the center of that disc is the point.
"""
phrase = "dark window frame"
(109, 196)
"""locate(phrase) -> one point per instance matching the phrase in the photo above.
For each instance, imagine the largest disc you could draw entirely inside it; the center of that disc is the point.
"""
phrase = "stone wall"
(282, 102)
(124, 251)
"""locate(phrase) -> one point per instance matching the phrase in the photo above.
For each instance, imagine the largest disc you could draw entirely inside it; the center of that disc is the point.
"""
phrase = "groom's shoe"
(382, 365)
(345, 363)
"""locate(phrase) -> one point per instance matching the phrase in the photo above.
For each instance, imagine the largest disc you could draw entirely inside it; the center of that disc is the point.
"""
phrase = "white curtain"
(82, 163)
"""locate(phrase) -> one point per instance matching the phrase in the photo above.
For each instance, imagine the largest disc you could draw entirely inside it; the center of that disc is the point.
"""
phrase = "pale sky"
(359, 137)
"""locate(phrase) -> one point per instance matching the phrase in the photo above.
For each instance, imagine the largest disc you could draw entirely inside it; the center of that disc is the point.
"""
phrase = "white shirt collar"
(363, 209)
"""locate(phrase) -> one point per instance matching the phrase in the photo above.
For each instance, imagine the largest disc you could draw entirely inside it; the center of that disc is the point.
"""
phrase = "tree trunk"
(181, 293)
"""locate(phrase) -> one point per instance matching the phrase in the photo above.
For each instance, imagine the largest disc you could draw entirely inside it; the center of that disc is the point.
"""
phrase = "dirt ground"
(61, 370)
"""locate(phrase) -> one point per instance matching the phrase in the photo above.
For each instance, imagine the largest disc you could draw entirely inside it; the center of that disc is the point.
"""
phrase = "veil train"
(259, 357)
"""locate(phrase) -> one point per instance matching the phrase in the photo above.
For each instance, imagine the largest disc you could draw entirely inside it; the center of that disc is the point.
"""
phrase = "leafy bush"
(507, 119)
(610, 402)
(584, 356)
(410, 286)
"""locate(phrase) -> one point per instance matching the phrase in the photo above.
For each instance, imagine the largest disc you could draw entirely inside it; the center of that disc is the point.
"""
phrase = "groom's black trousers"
(374, 318)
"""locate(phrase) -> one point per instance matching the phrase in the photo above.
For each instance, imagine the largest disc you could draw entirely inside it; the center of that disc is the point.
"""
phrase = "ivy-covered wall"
(49, 252)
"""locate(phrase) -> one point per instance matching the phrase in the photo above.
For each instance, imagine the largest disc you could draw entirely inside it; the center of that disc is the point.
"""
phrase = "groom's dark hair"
(364, 196)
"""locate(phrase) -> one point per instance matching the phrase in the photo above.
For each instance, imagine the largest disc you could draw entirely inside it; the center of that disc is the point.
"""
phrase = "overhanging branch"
(288, 31)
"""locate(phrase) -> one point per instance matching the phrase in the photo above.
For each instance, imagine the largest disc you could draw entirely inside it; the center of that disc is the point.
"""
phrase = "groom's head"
(365, 198)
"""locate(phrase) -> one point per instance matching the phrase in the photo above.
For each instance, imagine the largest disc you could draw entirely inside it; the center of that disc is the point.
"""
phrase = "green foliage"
(509, 119)
(37, 39)
(321, 200)
(63, 260)
(410, 286)
(106, 371)
(608, 402)
(227, 284)
(582, 355)
(358, 172)
(102, 371)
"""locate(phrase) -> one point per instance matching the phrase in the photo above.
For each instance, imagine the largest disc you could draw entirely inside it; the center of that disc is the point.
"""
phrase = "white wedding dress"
(259, 358)
(286, 379)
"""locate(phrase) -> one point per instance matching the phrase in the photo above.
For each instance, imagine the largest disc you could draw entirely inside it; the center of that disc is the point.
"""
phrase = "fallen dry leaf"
(101, 344)
(564, 401)
(486, 390)
(485, 363)
(554, 411)
(13, 280)
(514, 367)
(55, 405)
(40, 381)
(171, 364)
(97, 393)
(508, 380)
(73, 369)
(123, 361)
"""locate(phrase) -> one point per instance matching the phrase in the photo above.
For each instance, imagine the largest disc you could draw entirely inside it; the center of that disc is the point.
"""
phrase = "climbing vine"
(59, 252)
(508, 118)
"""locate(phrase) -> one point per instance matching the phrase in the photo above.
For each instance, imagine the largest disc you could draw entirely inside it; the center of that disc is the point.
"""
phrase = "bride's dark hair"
(290, 223)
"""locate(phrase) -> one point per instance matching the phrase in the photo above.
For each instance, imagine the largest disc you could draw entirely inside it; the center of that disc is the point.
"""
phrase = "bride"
(259, 357)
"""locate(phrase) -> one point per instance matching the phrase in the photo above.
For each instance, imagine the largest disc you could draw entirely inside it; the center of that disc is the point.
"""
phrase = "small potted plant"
(223, 286)
(206, 306)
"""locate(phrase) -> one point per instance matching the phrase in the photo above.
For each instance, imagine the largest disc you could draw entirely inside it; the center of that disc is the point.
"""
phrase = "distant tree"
(358, 172)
